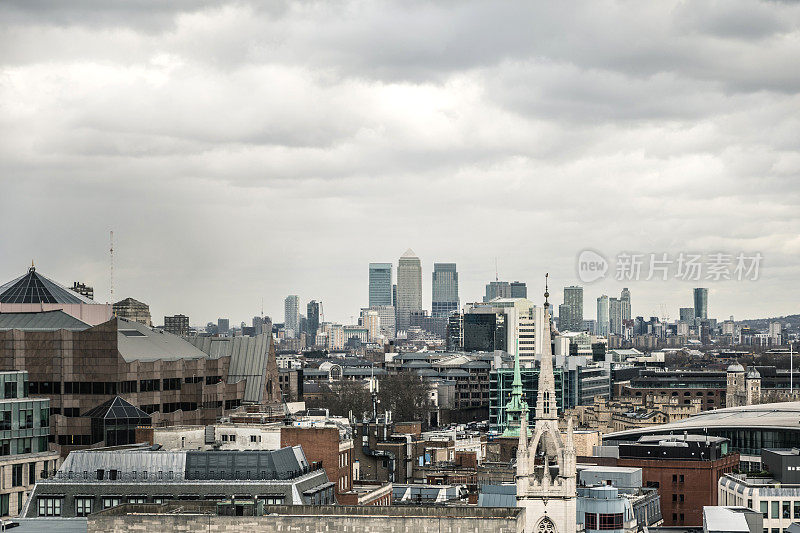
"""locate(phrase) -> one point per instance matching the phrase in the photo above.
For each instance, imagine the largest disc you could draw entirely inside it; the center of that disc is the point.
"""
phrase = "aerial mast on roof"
(111, 253)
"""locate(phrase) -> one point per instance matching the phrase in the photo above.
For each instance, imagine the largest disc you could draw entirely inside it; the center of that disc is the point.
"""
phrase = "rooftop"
(34, 288)
(41, 321)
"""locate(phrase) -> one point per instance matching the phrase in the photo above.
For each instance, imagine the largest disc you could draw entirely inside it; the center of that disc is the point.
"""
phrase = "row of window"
(24, 419)
(108, 387)
(603, 521)
(778, 509)
(52, 505)
(23, 445)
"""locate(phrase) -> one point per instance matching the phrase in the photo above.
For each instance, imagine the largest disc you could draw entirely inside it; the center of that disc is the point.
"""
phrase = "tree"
(406, 395)
(343, 397)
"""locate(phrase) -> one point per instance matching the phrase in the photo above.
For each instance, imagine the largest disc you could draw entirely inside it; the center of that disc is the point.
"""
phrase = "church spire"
(516, 408)
(546, 407)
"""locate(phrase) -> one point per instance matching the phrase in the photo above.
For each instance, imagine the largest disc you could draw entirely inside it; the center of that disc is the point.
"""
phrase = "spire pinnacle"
(546, 292)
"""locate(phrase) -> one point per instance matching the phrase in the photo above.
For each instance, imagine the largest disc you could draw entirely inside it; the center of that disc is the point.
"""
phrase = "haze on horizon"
(243, 152)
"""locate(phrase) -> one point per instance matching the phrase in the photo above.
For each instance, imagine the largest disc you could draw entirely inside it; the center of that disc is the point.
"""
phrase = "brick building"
(331, 445)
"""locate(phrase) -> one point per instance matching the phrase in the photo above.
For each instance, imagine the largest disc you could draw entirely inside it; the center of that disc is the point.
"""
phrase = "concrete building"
(92, 480)
(131, 309)
(701, 303)
(25, 457)
(614, 316)
(173, 379)
(291, 316)
(33, 292)
(177, 325)
(386, 316)
(380, 284)
(603, 316)
(571, 318)
(444, 290)
(223, 326)
(409, 288)
(313, 315)
(371, 320)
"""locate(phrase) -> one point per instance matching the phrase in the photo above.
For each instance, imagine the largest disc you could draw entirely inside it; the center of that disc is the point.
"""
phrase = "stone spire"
(546, 406)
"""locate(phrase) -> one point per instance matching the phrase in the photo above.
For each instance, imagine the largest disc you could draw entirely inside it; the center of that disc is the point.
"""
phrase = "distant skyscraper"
(686, 314)
(519, 289)
(223, 326)
(602, 316)
(625, 299)
(409, 288)
(177, 324)
(313, 310)
(701, 303)
(573, 300)
(380, 284)
(497, 289)
(444, 290)
(291, 315)
(615, 316)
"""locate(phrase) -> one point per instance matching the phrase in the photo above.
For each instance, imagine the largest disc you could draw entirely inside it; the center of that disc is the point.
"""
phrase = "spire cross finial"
(546, 292)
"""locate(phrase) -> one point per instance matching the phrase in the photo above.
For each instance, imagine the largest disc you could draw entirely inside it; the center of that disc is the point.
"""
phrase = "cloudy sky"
(244, 151)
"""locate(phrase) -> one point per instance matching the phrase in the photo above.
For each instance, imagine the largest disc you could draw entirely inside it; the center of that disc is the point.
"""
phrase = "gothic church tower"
(546, 473)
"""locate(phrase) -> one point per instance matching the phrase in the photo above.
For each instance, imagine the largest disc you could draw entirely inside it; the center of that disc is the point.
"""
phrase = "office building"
(371, 320)
(223, 326)
(522, 324)
(135, 310)
(177, 325)
(615, 316)
(625, 302)
(444, 290)
(380, 284)
(686, 314)
(386, 315)
(571, 318)
(519, 289)
(175, 380)
(603, 326)
(484, 332)
(409, 288)
(32, 292)
(313, 313)
(291, 316)
(25, 456)
(92, 480)
(701, 303)
(497, 289)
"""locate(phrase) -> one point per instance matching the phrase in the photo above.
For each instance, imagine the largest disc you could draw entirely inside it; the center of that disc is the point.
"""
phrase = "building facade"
(571, 318)
(135, 310)
(291, 316)
(444, 290)
(603, 317)
(409, 288)
(380, 284)
(701, 303)
(177, 325)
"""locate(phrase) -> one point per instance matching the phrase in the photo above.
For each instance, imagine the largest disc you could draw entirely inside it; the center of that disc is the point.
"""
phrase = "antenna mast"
(496, 275)
(111, 253)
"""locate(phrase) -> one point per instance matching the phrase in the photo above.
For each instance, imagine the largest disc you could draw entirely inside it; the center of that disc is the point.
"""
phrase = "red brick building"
(328, 446)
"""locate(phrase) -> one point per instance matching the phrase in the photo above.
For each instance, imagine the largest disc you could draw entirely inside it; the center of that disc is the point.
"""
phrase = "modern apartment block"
(24, 430)
(177, 325)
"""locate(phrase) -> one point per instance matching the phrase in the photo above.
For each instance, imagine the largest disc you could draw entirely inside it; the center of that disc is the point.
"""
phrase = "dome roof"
(736, 367)
(753, 374)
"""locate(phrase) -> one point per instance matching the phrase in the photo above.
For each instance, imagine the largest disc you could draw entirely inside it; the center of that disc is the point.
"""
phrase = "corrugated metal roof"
(249, 356)
(138, 460)
(136, 341)
(41, 321)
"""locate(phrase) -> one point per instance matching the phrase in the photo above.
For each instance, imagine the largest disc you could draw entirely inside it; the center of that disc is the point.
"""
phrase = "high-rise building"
(444, 290)
(313, 311)
(615, 316)
(497, 289)
(701, 303)
(177, 324)
(291, 316)
(573, 302)
(409, 288)
(686, 314)
(603, 325)
(371, 320)
(519, 289)
(625, 299)
(380, 284)
(223, 326)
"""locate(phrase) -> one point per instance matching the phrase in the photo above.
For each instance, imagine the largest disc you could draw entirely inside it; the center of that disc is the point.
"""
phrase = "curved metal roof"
(782, 415)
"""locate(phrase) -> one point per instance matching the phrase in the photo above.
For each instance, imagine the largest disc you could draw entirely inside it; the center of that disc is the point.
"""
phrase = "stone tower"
(753, 387)
(735, 394)
(546, 472)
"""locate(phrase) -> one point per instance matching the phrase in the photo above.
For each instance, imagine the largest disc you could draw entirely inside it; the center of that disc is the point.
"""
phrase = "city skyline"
(288, 131)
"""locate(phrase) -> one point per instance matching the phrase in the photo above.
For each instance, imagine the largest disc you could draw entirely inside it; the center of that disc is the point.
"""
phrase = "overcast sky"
(242, 152)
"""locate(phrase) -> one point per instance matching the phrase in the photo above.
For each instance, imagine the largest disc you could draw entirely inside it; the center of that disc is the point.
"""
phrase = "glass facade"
(444, 290)
(380, 284)
(500, 381)
(484, 332)
(24, 422)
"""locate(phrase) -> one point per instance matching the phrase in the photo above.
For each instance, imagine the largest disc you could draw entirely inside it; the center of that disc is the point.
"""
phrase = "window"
(11, 389)
(233, 438)
(49, 506)
(224, 438)
(4, 499)
(111, 502)
(674, 478)
(31, 473)
(680, 497)
(16, 475)
(137, 499)
(26, 419)
(674, 497)
(274, 500)
(252, 438)
(775, 509)
(786, 511)
(610, 521)
(796, 509)
(680, 478)
(20, 502)
(764, 506)
(5, 421)
(590, 521)
(83, 506)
